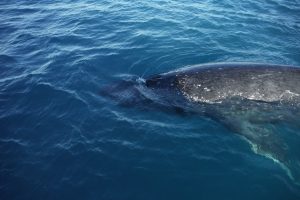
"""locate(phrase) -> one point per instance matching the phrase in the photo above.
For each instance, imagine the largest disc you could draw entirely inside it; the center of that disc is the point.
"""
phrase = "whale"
(213, 83)
(252, 100)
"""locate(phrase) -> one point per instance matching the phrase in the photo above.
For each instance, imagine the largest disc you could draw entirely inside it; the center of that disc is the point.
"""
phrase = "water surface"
(61, 139)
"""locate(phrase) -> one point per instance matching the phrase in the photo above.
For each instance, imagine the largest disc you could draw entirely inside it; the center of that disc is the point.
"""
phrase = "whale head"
(162, 82)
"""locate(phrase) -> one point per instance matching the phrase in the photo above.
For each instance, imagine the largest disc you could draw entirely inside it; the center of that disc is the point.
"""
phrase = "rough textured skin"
(216, 82)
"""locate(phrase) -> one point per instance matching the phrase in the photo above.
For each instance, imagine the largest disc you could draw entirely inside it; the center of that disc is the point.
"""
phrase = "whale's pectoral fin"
(265, 139)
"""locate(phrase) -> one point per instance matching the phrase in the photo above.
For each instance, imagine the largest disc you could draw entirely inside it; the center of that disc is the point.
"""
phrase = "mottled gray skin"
(249, 99)
(215, 82)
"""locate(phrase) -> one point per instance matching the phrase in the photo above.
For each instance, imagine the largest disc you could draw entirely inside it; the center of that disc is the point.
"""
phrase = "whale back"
(215, 83)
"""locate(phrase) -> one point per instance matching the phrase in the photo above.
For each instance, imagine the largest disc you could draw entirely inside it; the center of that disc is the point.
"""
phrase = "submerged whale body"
(252, 100)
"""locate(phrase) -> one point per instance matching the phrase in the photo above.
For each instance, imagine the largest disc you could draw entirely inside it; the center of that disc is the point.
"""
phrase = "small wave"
(14, 141)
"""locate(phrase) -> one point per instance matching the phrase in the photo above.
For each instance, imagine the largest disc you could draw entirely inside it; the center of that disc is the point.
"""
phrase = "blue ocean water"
(61, 139)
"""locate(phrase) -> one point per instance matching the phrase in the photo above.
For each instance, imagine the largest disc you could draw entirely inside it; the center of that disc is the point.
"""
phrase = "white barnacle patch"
(288, 94)
(252, 97)
(195, 98)
(196, 92)
(207, 89)
(291, 93)
(202, 99)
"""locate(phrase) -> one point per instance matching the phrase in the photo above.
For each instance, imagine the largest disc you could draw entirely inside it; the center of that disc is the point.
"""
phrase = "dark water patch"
(6, 60)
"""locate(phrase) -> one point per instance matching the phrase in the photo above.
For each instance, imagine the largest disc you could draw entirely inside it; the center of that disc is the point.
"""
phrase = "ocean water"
(60, 138)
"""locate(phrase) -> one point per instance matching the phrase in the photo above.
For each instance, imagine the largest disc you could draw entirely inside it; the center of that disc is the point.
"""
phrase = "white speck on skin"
(207, 89)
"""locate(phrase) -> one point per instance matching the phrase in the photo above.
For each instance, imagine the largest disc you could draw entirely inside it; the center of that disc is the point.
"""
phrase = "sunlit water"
(61, 139)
